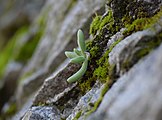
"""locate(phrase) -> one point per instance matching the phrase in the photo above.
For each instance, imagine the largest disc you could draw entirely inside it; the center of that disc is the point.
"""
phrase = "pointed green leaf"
(78, 59)
(78, 52)
(70, 54)
(80, 73)
(81, 41)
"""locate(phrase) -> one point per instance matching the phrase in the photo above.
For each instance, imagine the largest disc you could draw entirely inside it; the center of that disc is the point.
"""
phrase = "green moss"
(93, 51)
(86, 85)
(146, 47)
(107, 20)
(77, 115)
(12, 109)
(102, 72)
(97, 103)
(137, 25)
(27, 50)
(9, 51)
(99, 22)
(141, 24)
(95, 25)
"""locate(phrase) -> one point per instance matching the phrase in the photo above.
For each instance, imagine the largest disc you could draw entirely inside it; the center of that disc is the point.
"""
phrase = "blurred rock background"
(123, 79)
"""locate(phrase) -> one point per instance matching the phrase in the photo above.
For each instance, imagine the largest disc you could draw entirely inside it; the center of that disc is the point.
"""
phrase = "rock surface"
(42, 113)
(122, 81)
(50, 53)
(137, 94)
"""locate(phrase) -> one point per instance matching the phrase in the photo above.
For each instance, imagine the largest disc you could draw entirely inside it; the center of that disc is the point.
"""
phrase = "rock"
(42, 113)
(8, 84)
(50, 51)
(137, 94)
(57, 81)
(15, 14)
(128, 51)
(66, 22)
(120, 47)
(86, 101)
(115, 38)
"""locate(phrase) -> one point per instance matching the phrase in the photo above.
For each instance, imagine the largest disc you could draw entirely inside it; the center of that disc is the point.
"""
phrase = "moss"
(9, 51)
(146, 47)
(93, 51)
(95, 25)
(77, 115)
(137, 25)
(42, 104)
(10, 111)
(97, 103)
(141, 24)
(86, 85)
(27, 50)
(100, 22)
(102, 72)
(107, 20)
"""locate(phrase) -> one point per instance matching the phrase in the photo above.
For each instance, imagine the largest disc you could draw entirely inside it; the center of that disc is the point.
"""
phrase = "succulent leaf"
(80, 73)
(78, 59)
(78, 56)
(70, 54)
(78, 52)
(80, 41)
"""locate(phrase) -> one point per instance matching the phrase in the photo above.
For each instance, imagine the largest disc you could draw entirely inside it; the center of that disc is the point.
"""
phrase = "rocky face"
(122, 81)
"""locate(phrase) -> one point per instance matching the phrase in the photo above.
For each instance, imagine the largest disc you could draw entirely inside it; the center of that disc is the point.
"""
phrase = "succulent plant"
(78, 56)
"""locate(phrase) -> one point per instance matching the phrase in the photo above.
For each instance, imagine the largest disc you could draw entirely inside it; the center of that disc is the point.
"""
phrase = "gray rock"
(15, 14)
(55, 84)
(61, 29)
(9, 83)
(56, 99)
(137, 94)
(19, 114)
(114, 38)
(83, 105)
(29, 86)
(42, 113)
(126, 51)
(50, 51)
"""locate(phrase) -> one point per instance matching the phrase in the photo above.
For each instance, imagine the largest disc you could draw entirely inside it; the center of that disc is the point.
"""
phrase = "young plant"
(78, 56)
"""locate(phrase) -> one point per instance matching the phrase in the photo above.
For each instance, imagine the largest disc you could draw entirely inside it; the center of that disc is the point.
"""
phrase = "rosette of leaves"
(78, 56)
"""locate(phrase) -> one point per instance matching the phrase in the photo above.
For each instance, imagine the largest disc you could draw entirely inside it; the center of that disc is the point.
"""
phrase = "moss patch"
(9, 51)
(141, 24)
(99, 69)
(95, 25)
(103, 70)
(97, 103)
(10, 111)
(100, 22)
(77, 115)
(27, 50)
